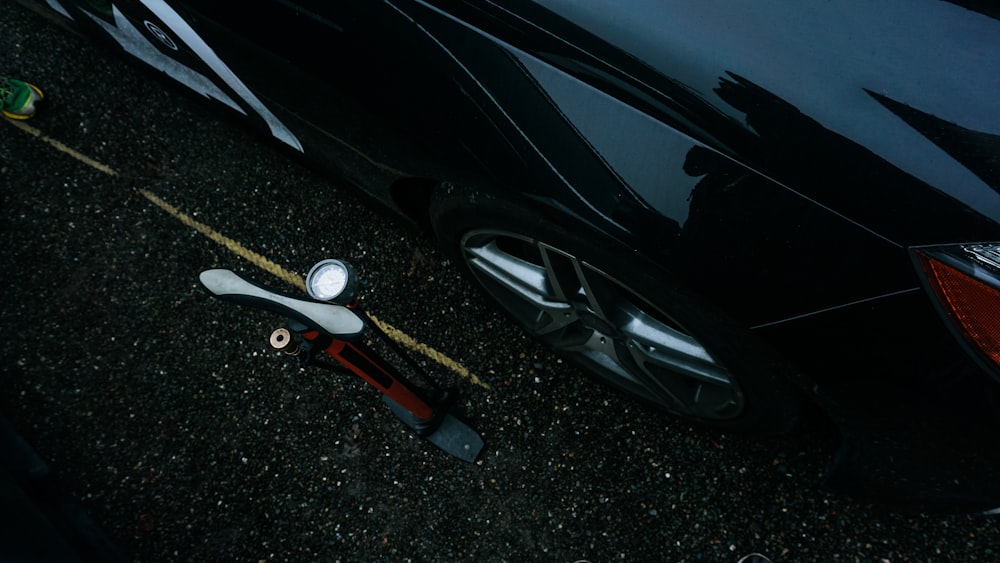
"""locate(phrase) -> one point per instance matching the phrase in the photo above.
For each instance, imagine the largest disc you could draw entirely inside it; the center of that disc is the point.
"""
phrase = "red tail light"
(969, 294)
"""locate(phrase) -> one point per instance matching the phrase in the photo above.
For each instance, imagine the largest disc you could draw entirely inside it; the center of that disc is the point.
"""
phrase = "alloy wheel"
(595, 318)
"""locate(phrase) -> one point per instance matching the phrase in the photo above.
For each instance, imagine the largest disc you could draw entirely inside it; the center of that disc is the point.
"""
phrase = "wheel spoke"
(559, 272)
(602, 295)
(671, 389)
(657, 344)
(545, 312)
(585, 340)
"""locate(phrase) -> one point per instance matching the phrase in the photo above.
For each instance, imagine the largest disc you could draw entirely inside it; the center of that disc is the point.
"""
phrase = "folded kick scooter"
(333, 322)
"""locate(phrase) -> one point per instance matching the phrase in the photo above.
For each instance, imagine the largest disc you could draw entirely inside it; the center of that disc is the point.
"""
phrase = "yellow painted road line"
(231, 245)
(62, 147)
(408, 342)
(292, 278)
(256, 259)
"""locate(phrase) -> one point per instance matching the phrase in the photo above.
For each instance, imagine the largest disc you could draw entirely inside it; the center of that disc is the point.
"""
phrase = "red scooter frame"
(335, 330)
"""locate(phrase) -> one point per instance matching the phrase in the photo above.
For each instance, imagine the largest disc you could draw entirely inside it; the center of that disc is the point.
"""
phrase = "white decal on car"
(59, 8)
(133, 41)
(158, 33)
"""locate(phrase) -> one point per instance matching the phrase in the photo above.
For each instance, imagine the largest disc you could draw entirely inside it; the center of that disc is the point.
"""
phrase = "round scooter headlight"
(332, 280)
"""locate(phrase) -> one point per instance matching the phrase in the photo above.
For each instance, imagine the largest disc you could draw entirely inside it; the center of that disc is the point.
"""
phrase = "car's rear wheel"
(614, 314)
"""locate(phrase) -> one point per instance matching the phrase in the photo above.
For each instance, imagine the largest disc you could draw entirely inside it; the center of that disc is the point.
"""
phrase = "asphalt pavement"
(164, 416)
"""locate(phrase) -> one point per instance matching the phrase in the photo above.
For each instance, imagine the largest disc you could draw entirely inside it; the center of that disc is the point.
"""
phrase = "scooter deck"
(452, 435)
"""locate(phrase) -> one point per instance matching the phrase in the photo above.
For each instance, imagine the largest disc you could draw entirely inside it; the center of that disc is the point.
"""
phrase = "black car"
(732, 210)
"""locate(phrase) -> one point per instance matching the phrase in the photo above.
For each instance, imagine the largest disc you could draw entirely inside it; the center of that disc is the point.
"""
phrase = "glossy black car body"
(754, 176)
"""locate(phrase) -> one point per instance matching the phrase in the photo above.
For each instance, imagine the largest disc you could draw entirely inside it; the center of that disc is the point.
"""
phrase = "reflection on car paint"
(975, 149)
(609, 125)
(744, 35)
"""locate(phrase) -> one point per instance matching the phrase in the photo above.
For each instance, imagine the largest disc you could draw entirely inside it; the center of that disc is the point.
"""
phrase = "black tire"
(614, 313)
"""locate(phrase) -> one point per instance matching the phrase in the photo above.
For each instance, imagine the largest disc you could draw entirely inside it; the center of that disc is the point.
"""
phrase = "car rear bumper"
(919, 418)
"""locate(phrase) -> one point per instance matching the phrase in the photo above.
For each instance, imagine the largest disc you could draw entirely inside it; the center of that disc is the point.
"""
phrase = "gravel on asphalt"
(167, 418)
